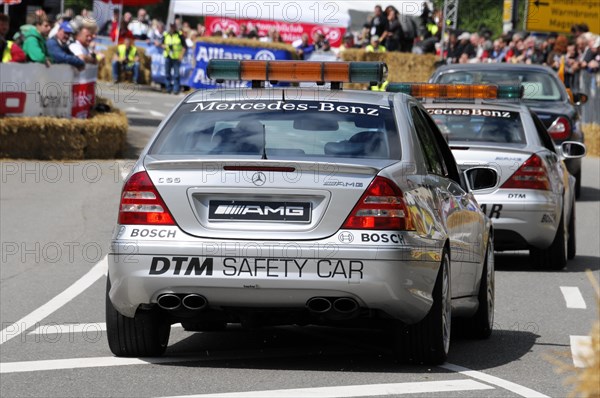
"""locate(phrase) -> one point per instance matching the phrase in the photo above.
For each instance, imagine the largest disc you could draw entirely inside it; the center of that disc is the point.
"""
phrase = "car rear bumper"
(520, 223)
(394, 278)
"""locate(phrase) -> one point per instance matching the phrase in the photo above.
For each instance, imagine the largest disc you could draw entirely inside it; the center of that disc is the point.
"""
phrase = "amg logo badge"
(259, 211)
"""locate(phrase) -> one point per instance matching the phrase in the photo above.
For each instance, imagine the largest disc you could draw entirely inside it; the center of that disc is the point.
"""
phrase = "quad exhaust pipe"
(332, 306)
(345, 305)
(319, 305)
(169, 301)
(192, 301)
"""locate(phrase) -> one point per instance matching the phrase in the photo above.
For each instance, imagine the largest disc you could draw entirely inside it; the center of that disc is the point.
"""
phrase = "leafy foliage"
(475, 15)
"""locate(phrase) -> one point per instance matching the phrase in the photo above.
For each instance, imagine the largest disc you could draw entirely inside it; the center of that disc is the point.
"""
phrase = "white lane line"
(133, 109)
(368, 390)
(496, 381)
(581, 350)
(573, 297)
(54, 328)
(79, 363)
(156, 113)
(28, 321)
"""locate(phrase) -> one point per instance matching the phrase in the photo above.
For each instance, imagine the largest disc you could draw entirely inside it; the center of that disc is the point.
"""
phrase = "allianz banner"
(207, 51)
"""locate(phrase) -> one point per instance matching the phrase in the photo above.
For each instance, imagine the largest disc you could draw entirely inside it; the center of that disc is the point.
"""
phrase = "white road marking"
(156, 113)
(581, 349)
(133, 109)
(53, 328)
(573, 297)
(496, 381)
(28, 321)
(79, 363)
(76, 363)
(367, 390)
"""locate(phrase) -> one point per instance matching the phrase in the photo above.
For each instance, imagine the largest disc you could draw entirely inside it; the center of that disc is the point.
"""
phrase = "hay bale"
(249, 43)
(105, 66)
(402, 67)
(592, 139)
(102, 136)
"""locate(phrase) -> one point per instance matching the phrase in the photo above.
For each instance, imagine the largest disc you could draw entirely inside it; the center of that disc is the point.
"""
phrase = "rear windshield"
(479, 125)
(284, 128)
(539, 86)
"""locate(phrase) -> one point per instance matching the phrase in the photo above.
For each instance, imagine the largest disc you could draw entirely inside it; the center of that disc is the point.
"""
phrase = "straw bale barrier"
(249, 43)
(592, 139)
(103, 136)
(402, 67)
(105, 66)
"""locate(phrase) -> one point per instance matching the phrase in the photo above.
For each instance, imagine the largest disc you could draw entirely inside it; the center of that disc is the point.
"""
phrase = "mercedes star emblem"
(259, 179)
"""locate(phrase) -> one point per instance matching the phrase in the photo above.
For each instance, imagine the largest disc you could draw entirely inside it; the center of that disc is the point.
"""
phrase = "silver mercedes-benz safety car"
(271, 206)
(532, 206)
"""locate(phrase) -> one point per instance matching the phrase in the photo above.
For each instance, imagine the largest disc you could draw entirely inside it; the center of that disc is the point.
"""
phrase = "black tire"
(578, 184)
(145, 335)
(555, 257)
(481, 324)
(428, 341)
(572, 241)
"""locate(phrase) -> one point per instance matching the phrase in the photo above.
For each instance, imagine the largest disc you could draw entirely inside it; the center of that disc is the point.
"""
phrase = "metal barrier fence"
(588, 83)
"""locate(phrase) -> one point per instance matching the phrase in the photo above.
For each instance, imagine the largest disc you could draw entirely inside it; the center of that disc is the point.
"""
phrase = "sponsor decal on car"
(257, 267)
(152, 233)
(286, 106)
(469, 112)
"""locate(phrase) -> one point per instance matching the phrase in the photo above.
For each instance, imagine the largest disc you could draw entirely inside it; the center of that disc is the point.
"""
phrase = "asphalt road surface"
(56, 221)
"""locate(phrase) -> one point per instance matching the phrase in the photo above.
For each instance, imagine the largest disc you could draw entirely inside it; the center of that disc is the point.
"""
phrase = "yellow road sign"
(560, 15)
(507, 11)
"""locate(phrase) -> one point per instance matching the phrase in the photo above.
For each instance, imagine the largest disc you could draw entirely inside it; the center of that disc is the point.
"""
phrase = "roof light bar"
(297, 71)
(457, 91)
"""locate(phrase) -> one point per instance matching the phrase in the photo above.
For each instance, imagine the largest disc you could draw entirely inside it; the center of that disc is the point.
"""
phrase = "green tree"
(474, 15)
(78, 5)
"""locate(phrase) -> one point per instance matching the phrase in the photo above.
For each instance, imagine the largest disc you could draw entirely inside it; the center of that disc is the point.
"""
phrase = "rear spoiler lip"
(218, 164)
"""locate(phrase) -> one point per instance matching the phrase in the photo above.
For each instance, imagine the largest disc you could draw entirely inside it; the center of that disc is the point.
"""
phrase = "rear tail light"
(142, 204)
(531, 175)
(560, 129)
(382, 206)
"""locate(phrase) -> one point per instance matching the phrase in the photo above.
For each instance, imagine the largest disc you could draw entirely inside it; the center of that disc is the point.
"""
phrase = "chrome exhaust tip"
(345, 305)
(169, 301)
(319, 305)
(194, 302)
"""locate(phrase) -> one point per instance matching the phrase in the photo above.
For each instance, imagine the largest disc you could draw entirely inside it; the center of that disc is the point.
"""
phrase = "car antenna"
(264, 152)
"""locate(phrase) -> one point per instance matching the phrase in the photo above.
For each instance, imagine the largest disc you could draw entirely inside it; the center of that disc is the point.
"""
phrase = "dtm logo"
(265, 55)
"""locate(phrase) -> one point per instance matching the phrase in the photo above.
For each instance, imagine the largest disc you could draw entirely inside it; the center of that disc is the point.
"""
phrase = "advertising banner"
(289, 31)
(157, 65)
(207, 51)
(36, 90)
(84, 92)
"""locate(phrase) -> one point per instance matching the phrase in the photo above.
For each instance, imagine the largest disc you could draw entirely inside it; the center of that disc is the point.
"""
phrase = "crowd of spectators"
(68, 40)
(569, 55)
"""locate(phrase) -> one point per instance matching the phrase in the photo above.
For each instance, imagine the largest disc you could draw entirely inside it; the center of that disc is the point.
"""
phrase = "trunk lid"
(505, 161)
(260, 200)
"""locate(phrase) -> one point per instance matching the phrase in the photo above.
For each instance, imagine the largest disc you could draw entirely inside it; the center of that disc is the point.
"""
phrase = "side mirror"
(580, 98)
(479, 178)
(572, 150)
